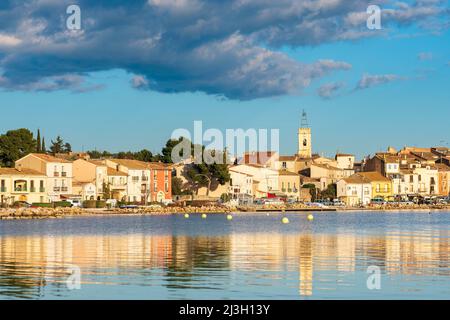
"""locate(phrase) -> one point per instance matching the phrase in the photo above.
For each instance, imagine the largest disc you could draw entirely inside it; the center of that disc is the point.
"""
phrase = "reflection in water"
(238, 265)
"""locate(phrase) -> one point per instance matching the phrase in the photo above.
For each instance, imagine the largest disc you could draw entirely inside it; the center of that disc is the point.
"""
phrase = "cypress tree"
(38, 142)
(43, 146)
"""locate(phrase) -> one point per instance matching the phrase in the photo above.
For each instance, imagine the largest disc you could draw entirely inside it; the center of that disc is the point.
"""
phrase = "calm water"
(254, 256)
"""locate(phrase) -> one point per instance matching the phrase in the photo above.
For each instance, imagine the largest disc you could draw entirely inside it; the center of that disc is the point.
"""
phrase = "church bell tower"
(304, 138)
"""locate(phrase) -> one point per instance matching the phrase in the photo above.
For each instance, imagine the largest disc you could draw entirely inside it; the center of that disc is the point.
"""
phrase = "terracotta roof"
(344, 155)
(357, 179)
(325, 166)
(112, 172)
(287, 173)
(49, 158)
(373, 176)
(81, 183)
(22, 172)
(141, 165)
(442, 167)
(97, 162)
(261, 157)
(287, 158)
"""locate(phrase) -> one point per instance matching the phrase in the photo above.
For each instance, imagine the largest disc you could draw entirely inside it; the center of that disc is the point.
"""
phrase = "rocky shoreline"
(52, 213)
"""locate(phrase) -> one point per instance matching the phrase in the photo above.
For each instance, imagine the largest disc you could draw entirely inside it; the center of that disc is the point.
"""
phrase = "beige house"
(22, 185)
(90, 172)
(85, 190)
(355, 190)
(289, 183)
(58, 173)
(117, 183)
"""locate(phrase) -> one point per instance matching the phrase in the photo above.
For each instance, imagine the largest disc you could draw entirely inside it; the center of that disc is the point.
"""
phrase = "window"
(378, 187)
(411, 178)
(166, 186)
(284, 165)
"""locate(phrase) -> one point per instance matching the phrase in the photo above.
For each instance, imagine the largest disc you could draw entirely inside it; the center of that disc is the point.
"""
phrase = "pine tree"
(57, 146)
(38, 142)
(43, 146)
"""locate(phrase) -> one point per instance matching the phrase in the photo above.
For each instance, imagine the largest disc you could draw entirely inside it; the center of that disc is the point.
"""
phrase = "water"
(254, 256)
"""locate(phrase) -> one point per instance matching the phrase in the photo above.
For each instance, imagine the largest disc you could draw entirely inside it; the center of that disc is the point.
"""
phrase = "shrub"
(64, 204)
(90, 204)
(42, 205)
(100, 204)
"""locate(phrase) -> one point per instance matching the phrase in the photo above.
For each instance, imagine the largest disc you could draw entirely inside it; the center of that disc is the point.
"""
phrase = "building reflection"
(30, 263)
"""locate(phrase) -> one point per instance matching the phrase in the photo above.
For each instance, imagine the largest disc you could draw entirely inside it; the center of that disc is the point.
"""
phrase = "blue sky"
(392, 88)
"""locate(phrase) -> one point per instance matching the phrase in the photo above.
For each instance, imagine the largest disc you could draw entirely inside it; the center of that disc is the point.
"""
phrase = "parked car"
(338, 203)
(21, 204)
(74, 203)
(378, 201)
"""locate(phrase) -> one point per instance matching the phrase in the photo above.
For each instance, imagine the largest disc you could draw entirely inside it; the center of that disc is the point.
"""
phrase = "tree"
(106, 191)
(144, 155)
(43, 149)
(38, 142)
(177, 186)
(16, 144)
(67, 148)
(57, 145)
(204, 174)
(330, 192)
(166, 152)
(312, 190)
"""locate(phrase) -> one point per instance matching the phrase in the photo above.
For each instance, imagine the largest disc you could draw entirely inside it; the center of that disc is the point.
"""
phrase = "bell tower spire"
(304, 138)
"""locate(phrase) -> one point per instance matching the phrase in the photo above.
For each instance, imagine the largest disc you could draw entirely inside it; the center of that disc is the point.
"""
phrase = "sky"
(137, 71)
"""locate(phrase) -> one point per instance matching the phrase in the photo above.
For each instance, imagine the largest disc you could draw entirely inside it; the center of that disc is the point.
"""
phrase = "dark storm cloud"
(226, 48)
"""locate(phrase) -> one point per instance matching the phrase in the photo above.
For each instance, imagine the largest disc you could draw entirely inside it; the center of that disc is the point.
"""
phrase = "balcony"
(56, 189)
(64, 189)
(19, 189)
(41, 189)
(2, 189)
(144, 178)
(32, 189)
(63, 174)
(56, 174)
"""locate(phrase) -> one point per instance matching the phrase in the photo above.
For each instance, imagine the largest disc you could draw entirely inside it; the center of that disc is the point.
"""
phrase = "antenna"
(304, 121)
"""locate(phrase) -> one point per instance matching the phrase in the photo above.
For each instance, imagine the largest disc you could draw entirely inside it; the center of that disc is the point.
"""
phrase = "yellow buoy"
(229, 217)
(310, 217)
(186, 215)
(285, 220)
(204, 216)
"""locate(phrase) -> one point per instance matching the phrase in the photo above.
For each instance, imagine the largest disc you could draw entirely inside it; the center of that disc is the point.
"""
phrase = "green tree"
(106, 191)
(166, 152)
(177, 186)
(57, 145)
(67, 148)
(43, 149)
(16, 144)
(144, 155)
(312, 190)
(38, 142)
(205, 174)
(330, 192)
